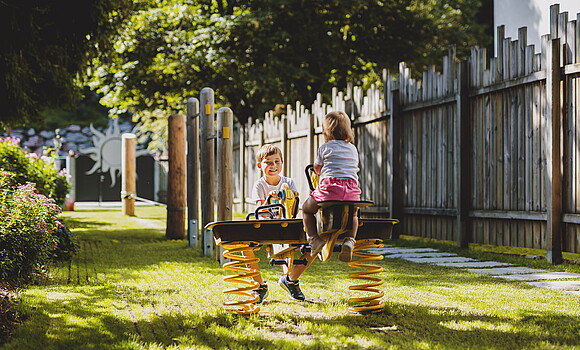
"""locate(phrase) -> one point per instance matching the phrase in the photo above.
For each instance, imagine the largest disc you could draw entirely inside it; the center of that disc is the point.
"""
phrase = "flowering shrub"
(28, 167)
(28, 229)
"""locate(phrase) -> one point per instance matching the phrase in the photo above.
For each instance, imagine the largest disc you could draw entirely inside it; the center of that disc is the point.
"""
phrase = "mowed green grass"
(130, 288)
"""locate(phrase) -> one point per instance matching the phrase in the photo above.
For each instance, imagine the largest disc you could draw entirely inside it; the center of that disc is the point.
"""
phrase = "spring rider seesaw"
(275, 226)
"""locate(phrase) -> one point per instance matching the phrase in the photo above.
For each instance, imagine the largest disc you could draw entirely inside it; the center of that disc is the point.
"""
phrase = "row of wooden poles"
(193, 143)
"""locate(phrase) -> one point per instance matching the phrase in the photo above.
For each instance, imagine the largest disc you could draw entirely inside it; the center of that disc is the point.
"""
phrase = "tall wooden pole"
(396, 180)
(225, 169)
(462, 159)
(128, 174)
(552, 137)
(206, 149)
(176, 187)
(193, 171)
(225, 196)
(243, 168)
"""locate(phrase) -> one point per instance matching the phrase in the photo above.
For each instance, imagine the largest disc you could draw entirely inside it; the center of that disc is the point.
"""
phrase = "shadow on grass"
(73, 224)
(47, 320)
(401, 326)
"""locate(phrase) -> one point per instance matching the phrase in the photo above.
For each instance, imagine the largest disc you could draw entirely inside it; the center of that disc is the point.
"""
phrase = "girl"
(337, 165)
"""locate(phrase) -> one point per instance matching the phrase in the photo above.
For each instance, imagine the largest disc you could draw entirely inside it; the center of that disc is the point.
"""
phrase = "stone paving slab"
(540, 276)
(420, 255)
(473, 264)
(449, 259)
(396, 250)
(559, 285)
(506, 270)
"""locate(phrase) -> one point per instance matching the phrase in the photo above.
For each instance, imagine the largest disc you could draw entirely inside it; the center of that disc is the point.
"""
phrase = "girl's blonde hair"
(336, 126)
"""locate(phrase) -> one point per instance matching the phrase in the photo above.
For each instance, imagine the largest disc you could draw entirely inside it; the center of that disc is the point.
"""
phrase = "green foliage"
(86, 111)
(45, 48)
(27, 223)
(29, 167)
(257, 54)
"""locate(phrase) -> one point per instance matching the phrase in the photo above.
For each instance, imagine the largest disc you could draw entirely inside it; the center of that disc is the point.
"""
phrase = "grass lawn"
(129, 288)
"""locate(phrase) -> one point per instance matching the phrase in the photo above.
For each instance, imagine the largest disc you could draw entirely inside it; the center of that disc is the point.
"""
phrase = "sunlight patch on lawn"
(479, 325)
(63, 296)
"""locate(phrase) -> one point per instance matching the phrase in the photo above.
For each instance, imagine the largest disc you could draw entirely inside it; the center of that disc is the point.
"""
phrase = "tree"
(259, 53)
(44, 49)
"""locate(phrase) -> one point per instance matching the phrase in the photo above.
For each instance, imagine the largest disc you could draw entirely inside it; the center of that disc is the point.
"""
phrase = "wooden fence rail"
(471, 154)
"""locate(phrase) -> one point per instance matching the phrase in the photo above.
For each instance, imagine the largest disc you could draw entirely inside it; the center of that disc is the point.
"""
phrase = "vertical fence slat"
(553, 152)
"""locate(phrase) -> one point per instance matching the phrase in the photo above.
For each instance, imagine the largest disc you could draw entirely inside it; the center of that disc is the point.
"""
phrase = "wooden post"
(396, 180)
(176, 186)
(128, 174)
(71, 169)
(552, 138)
(225, 169)
(243, 168)
(311, 135)
(284, 145)
(224, 164)
(462, 154)
(192, 107)
(206, 149)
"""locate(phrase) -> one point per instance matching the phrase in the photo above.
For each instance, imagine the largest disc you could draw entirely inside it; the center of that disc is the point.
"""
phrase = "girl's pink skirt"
(336, 189)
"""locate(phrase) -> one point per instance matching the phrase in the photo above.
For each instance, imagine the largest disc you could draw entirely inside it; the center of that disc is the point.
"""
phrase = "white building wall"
(533, 14)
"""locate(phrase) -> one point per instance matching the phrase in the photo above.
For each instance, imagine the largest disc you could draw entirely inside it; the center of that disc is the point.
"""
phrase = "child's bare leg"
(309, 210)
(352, 232)
(250, 254)
(349, 241)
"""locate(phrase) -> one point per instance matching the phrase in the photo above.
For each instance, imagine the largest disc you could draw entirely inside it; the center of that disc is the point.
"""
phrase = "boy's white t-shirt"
(262, 188)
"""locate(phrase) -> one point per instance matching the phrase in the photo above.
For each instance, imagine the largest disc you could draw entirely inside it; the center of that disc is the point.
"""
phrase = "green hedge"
(29, 167)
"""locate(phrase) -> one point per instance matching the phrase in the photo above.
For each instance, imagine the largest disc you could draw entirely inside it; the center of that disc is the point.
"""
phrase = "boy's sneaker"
(316, 244)
(345, 254)
(291, 287)
(262, 292)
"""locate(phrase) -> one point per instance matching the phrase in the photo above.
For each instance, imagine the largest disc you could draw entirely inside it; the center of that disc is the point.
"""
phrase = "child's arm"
(317, 168)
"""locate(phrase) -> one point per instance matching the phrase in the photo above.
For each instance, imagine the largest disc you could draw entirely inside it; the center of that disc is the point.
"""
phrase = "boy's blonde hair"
(267, 150)
(336, 126)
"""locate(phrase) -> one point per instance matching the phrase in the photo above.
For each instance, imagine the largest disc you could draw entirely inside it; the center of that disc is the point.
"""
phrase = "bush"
(28, 224)
(29, 167)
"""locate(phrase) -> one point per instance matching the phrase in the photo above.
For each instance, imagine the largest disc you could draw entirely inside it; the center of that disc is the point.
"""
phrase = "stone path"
(565, 281)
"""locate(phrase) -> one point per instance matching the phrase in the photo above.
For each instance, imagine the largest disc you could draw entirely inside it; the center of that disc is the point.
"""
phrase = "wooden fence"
(476, 153)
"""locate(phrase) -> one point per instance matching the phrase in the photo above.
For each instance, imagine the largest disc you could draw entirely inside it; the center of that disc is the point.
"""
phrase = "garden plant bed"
(9, 319)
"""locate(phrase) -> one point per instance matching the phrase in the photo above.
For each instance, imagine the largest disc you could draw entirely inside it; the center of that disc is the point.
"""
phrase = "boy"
(269, 161)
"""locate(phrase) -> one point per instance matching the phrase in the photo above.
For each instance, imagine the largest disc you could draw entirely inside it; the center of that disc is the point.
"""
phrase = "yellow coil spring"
(233, 251)
(370, 303)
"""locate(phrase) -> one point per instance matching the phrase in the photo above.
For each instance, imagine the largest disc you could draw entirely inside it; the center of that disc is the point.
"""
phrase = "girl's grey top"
(262, 188)
(338, 159)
